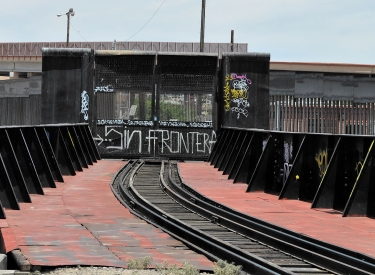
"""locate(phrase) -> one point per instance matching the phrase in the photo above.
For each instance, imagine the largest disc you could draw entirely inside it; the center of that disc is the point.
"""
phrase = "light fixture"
(68, 14)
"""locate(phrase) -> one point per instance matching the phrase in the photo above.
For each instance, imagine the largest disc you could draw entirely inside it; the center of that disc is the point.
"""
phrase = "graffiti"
(242, 77)
(236, 91)
(200, 124)
(150, 123)
(173, 124)
(170, 141)
(287, 169)
(288, 151)
(239, 111)
(288, 157)
(228, 79)
(106, 89)
(322, 161)
(85, 105)
(125, 122)
(241, 102)
(185, 124)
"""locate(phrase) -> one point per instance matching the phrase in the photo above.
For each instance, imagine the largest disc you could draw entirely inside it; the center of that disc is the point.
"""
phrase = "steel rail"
(326, 255)
(193, 238)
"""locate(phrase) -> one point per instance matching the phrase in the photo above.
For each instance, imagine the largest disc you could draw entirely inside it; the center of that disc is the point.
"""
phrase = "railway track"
(154, 192)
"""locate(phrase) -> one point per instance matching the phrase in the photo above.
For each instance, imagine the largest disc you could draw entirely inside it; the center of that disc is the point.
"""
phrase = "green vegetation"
(142, 263)
(186, 269)
(220, 268)
(224, 268)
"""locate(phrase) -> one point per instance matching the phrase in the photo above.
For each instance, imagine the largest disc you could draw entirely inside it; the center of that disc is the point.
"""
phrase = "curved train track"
(155, 192)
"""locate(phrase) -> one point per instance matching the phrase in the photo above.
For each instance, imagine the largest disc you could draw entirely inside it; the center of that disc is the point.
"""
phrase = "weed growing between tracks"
(224, 268)
(221, 267)
(142, 266)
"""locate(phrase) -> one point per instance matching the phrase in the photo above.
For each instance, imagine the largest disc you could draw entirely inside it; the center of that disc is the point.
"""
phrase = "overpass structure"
(303, 96)
(20, 60)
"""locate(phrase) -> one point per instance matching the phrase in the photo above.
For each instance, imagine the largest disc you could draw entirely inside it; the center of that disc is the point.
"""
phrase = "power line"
(78, 32)
(146, 22)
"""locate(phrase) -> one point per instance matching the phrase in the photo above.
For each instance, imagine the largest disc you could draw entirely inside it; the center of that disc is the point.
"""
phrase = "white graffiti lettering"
(240, 111)
(125, 122)
(106, 89)
(170, 141)
(287, 169)
(241, 102)
(85, 105)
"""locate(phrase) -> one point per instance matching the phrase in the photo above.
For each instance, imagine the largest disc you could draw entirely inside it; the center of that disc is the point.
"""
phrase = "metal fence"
(315, 115)
(322, 103)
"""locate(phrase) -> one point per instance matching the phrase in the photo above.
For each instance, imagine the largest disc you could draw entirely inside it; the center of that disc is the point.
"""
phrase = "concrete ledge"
(21, 261)
(3, 262)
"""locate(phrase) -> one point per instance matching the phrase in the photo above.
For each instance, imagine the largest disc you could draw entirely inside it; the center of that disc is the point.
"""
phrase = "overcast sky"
(290, 30)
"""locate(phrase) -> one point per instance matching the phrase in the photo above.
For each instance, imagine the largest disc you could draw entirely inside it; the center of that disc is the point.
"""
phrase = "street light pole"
(203, 18)
(68, 14)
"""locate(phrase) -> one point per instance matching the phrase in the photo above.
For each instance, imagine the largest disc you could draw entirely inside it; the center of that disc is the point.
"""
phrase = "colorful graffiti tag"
(236, 94)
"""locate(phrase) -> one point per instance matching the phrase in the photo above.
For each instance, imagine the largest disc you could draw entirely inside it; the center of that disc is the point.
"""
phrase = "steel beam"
(13, 168)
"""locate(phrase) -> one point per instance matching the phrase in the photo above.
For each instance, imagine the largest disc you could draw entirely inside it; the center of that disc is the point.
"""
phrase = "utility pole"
(232, 40)
(202, 25)
(68, 14)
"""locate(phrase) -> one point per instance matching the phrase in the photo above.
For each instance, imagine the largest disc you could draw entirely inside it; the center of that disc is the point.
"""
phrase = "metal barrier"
(340, 103)
(34, 157)
(329, 171)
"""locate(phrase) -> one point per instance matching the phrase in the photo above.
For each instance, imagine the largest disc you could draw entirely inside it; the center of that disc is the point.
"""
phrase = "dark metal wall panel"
(13, 168)
(25, 161)
(238, 163)
(124, 71)
(66, 85)
(38, 156)
(244, 91)
(187, 72)
(7, 195)
(90, 144)
(49, 153)
(235, 152)
(360, 201)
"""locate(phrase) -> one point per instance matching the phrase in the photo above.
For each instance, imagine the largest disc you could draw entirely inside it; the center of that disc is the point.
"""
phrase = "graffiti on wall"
(236, 94)
(171, 141)
(288, 157)
(85, 105)
(321, 159)
(105, 89)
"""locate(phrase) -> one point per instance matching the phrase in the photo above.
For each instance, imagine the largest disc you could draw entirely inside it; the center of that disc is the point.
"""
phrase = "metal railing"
(315, 115)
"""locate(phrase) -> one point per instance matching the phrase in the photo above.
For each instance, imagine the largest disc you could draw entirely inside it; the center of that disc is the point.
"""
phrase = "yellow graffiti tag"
(239, 94)
(228, 78)
(322, 161)
(227, 97)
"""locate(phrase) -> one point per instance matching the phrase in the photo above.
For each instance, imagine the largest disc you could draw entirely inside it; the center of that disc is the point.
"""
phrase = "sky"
(337, 31)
